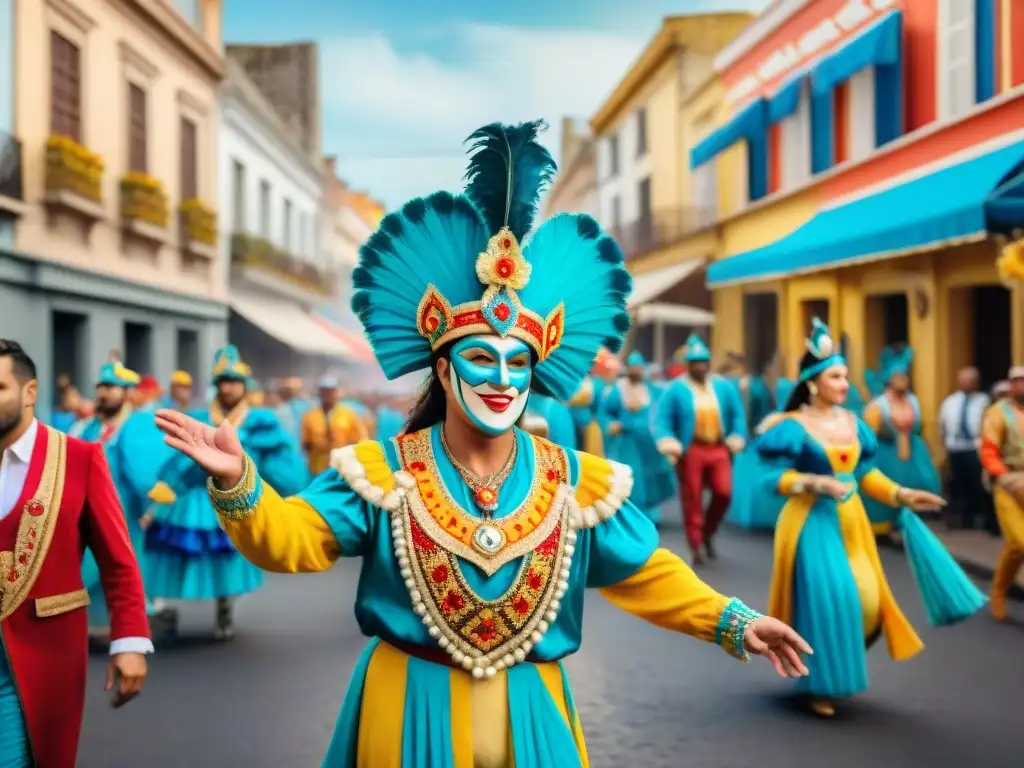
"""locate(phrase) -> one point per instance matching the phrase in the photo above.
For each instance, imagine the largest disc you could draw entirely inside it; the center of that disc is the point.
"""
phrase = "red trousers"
(701, 467)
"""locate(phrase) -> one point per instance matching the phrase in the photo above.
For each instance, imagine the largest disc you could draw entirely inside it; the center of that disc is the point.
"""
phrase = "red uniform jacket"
(69, 501)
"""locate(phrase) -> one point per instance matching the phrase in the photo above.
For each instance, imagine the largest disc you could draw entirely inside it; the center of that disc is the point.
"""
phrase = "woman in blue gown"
(477, 541)
(630, 441)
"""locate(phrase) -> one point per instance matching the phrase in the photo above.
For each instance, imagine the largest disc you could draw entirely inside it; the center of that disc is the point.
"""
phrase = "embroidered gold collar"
(236, 415)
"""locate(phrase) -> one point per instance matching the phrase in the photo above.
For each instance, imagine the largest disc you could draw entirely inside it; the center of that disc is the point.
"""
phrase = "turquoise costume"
(456, 589)
(62, 421)
(390, 423)
(755, 398)
(135, 451)
(190, 557)
(289, 416)
(629, 405)
(561, 429)
(903, 453)
(16, 753)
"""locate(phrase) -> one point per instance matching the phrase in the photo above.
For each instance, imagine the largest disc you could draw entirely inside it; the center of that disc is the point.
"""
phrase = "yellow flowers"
(70, 167)
(1011, 263)
(257, 252)
(143, 199)
(198, 221)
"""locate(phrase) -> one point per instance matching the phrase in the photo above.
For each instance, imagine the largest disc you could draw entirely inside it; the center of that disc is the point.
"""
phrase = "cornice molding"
(73, 14)
(773, 17)
(189, 39)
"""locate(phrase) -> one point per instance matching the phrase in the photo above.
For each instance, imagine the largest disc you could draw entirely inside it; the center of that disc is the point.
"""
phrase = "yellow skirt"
(406, 712)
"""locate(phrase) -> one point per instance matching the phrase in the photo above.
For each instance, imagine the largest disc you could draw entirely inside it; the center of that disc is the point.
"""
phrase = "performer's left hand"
(921, 501)
(127, 671)
(778, 642)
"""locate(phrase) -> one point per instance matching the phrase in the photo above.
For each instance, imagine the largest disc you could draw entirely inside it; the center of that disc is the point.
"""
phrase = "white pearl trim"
(620, 486)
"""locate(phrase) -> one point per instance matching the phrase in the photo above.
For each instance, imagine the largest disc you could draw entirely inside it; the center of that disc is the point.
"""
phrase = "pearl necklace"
(485, 489)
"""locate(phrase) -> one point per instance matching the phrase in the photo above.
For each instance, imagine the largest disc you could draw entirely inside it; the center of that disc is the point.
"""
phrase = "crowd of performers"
(478, 539)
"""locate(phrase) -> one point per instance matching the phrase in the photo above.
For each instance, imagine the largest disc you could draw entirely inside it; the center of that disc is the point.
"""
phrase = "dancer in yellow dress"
(827, 578)
(477, 540)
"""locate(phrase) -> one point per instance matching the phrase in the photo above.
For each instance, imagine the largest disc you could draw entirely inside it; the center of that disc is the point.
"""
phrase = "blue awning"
(751, 122)
(948, 204)
(785, 100)
(1005, 208)
(877, 46)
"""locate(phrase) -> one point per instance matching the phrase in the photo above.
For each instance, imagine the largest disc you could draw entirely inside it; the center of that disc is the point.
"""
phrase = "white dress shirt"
(949, 420)
(13, 473)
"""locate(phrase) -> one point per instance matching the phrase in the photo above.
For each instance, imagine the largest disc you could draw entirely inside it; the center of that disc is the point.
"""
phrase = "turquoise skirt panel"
(948, 593)
(751, 508)
(827, 610)
(14, 747)
(918, 472)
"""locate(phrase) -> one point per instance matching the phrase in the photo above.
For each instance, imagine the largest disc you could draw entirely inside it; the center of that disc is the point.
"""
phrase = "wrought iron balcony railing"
(661, 228)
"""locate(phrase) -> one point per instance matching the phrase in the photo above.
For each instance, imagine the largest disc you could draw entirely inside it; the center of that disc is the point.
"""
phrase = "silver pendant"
(488, 538)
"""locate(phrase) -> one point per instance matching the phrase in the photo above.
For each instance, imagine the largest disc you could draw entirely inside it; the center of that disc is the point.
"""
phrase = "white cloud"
(397, 118)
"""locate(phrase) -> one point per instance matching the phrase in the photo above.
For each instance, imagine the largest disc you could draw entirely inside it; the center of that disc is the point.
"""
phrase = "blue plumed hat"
(228, 365)
(695, 350)
(449, 266)
(636, 360)
(824, 351)
(116, 375)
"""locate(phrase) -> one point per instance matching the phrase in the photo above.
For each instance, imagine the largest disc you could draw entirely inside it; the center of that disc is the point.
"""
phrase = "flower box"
(71, 168)
(143, 199)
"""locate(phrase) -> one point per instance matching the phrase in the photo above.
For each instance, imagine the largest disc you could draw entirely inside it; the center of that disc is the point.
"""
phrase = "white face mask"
(491, 379)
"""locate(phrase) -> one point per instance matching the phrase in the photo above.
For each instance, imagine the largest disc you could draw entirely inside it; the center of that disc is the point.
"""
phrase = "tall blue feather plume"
(508, 171)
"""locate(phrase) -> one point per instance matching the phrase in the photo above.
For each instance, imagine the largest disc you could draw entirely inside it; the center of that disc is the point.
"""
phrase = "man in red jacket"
(56, 498)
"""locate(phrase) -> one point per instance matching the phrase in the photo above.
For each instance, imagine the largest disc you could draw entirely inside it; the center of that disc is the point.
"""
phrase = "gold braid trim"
(240, 502)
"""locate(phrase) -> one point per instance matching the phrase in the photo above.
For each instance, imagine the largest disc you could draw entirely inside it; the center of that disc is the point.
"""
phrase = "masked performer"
(698, 425)
(894, 415)
(477, 540)
(827, 575)
(1002, 456)
(189, 556)
(631, 442)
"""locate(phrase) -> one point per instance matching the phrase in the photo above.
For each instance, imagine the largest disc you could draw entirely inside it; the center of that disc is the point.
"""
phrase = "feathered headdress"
(228, 365)
(891, 361)
(824, 352)
(449, 266)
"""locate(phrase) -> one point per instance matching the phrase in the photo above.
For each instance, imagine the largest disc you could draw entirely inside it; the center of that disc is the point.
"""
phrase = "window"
(238, 195)
(65, 88)
(613, 155)
(137, 154)
(957, 58)
(861, 114)
(796, 143)
(189, 161)
(641, 132)
(704, 191)
(286, 226)
(264, 208)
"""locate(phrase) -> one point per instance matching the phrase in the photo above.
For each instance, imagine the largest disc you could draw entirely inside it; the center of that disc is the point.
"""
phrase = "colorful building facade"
(881, 143)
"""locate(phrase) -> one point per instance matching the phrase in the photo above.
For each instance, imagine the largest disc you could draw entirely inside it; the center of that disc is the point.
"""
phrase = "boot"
(709, 547)
(822, 707)
(1002, 580)
(225, 627)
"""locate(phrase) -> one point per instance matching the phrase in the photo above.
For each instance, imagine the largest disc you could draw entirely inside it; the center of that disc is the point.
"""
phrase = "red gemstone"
(551, 475)
(418, 466)
(843, 457)
(23, 558)
(35, 508)
(30, 545)
(32, 532)
(506, 243)
(453, 601)
(521, 606)
(506, 267)
(534, 580)
(440, 574)
(12, 575)
(502, 312)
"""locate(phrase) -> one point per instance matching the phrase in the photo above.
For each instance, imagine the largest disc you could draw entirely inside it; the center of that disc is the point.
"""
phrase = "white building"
(271, 192)
(624, 174)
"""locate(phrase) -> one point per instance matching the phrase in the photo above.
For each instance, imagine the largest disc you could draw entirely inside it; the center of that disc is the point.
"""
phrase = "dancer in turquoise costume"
(552, 420)
(827, 577)
(135, 452)
(895, 417)
(189, 556)
(631, 441)
(477, 540)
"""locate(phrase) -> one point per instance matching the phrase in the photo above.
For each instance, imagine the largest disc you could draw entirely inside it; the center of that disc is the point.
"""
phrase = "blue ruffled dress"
(654, 479)
(916, 470)
(135, 454)
(190, 557)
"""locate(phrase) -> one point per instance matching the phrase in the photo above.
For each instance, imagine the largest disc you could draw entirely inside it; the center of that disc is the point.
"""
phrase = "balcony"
(12, 193)
(198, 230)
(258, 261)
(144, 209)
(661, 229)
(74, 178)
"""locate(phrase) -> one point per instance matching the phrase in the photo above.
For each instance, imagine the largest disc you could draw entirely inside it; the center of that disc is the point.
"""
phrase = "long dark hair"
(431, 405)
(801, 394)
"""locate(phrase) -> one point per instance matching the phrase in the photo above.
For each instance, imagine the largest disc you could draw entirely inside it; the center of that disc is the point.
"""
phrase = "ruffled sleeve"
(781, 447)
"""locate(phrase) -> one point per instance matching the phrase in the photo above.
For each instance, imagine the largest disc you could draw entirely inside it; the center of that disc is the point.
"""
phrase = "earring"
(812, 388)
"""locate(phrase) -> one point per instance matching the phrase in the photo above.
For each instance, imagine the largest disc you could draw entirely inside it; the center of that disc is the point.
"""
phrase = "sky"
(404, 82)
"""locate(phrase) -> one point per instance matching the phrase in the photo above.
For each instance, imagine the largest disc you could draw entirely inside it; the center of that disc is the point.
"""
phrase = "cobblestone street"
(648, 698)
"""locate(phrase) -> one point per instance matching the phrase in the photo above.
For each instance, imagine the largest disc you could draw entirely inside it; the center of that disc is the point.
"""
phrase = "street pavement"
(648, 698)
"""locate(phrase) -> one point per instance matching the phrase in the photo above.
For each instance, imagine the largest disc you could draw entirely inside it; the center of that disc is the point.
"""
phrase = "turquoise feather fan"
(434, 242)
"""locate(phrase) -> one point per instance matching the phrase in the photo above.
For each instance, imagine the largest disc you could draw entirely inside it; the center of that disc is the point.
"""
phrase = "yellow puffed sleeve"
(667, 593)
(880, 488)
(873, 417)
(275, 534)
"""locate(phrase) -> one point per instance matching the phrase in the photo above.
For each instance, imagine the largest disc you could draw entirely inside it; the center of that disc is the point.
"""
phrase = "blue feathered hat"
(228, 365)
(636, 360)
(449, 266)
(891, 361)
(695, 350)
(824, 351)
(116, 375)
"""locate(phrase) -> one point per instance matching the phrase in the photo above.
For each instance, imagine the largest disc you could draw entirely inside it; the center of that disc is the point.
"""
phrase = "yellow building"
(876, 192)
(645, 194)
(114, 243)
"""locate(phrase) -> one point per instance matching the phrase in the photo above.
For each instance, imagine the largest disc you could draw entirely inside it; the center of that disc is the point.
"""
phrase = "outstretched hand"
(217, 450)
(778, 642)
